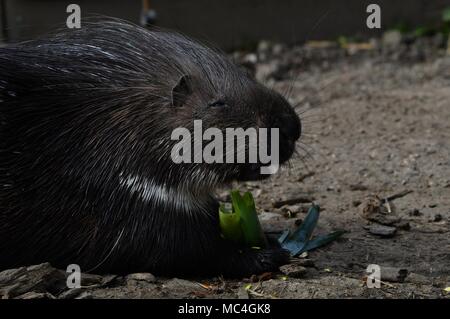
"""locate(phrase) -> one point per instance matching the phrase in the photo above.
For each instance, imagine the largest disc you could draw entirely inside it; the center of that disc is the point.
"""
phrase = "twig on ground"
(398, 195)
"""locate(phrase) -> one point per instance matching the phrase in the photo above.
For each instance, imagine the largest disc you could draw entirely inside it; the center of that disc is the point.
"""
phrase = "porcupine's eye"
(217, 103)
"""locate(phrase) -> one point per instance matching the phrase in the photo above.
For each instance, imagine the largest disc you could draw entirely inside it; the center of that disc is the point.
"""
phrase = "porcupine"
(86, 176)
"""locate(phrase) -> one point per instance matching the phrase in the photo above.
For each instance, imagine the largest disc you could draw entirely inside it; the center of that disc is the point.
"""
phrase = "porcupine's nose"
(290, 128)
(290, 125)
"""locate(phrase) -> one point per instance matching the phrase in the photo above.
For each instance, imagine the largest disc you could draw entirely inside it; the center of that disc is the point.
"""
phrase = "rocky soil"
(375, 155)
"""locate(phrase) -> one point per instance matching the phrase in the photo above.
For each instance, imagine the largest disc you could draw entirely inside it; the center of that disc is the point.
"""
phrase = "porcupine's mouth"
(251, 172)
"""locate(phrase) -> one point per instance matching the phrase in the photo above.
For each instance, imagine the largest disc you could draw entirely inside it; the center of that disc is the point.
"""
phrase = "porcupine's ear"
(181, 91)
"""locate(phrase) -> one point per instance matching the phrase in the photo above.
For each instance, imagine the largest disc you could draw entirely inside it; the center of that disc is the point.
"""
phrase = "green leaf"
(306, 229)
(446, 15)
(343, 41)
(251, 228)
(401, 27)
(424, 31)
(230, 225)
(300, 242)
(322, 240)
(242, 224)
(283, 236)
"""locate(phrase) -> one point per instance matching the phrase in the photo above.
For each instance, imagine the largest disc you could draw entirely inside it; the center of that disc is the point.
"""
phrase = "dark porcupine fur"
(85, 170)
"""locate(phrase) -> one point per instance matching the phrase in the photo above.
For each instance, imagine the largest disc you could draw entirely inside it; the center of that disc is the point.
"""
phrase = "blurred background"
(231, 24)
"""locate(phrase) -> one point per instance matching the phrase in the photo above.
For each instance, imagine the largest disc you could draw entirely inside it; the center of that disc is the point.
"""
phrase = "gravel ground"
(375, 155)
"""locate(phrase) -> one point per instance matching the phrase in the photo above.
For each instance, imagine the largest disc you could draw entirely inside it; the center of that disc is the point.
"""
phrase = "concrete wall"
(29, 18)
(238, 22)
(232, 23)
(2, 22)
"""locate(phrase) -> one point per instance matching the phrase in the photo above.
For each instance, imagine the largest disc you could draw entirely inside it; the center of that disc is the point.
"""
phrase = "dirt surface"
(376, 124)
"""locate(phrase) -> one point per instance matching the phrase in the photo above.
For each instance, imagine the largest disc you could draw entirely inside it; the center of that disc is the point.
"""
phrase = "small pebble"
(437, 218)
(306, 262)
(403, 225)
(147, 277)
(291, 209)
(293, 270)
(356, 203)
(358, 187)
(414, 212)
(383, 231)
